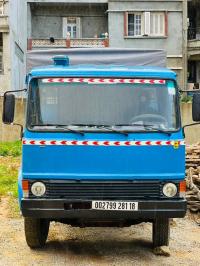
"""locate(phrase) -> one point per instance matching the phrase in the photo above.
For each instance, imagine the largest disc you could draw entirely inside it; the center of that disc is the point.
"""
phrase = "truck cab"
(102, 146)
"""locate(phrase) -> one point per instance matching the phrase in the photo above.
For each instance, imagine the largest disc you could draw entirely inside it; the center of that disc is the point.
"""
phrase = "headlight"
(38, 189)
(169, 190)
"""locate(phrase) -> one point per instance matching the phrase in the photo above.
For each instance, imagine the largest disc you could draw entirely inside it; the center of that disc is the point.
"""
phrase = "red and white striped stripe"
(103, 80)
(102, 142)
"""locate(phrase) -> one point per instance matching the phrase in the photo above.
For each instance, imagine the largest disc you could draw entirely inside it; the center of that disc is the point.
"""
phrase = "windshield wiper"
(65, 127)
(110, 128)
(147, 127)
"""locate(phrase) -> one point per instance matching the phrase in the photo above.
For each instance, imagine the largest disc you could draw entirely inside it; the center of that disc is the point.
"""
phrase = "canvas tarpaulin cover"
(98, 56)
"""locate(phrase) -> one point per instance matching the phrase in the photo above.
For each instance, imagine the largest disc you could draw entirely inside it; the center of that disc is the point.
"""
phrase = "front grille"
(91, 190)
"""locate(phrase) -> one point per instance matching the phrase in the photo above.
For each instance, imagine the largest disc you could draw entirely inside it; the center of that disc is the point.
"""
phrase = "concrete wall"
(192, 133)
(173, 43)
(47, 20)
(10, 133)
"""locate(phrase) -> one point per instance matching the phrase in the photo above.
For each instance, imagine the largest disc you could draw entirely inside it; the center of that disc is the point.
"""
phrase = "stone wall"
(9, 133)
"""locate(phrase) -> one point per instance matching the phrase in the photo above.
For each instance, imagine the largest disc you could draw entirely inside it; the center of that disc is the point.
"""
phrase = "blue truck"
(102, 146)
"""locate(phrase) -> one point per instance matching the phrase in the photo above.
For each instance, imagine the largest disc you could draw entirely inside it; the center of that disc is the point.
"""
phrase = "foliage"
(9, 165)
(186, 98)
(8, 176)
(10, 148)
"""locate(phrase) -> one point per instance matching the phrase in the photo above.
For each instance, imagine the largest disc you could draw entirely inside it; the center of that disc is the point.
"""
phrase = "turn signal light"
(182, 188)
(25, 188)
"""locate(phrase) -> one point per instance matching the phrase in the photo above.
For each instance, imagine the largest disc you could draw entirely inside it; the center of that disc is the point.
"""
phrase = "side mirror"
(196, 107)
(8, 108)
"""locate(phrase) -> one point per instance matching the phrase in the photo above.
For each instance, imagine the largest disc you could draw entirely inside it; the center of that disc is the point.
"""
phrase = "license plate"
(115, 205)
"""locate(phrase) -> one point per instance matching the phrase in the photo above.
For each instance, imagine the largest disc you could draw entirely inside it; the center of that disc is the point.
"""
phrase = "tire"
(36, 231)
(161, 232)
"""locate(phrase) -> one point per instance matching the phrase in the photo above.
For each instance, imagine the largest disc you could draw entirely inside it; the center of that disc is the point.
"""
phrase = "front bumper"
(55, 209)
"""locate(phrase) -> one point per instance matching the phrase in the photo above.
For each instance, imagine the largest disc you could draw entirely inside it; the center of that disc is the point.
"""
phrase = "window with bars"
(135, 24)
(145, 24)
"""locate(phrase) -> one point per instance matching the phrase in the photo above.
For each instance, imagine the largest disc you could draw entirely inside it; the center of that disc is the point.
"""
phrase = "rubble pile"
(193, 177)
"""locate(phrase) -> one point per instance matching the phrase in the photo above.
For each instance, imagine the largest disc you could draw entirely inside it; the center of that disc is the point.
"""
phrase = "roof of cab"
(102, 71)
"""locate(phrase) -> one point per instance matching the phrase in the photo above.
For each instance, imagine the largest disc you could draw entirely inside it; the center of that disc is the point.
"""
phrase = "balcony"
(193, 42)
(74, 24)
(45, 43)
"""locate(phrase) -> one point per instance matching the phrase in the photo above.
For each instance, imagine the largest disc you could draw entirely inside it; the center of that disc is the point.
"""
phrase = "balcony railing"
(193, 42)
(194, 33)
(42, 43)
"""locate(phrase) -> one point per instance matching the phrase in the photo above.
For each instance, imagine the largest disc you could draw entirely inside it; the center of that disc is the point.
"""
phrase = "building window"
(135, 24)
(72, 26)
(145, 24)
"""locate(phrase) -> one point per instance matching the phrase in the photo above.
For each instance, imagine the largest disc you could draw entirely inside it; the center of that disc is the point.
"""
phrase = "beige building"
(5, 67)
(39, 24)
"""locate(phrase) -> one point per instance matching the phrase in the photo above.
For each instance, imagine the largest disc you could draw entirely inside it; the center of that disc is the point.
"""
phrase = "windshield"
(124, 103)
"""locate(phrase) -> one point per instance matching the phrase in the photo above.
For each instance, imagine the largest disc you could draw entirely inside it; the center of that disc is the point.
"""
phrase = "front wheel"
(36, 231)
(161, 231)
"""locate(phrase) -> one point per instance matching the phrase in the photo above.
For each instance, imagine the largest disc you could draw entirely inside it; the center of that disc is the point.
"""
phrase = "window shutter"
(125, 23)
(157, 26)
(146, 23)
(64, 27)
(78, 27)
(166, 23)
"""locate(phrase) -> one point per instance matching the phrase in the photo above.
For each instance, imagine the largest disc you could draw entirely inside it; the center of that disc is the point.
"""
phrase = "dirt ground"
(97, 246)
